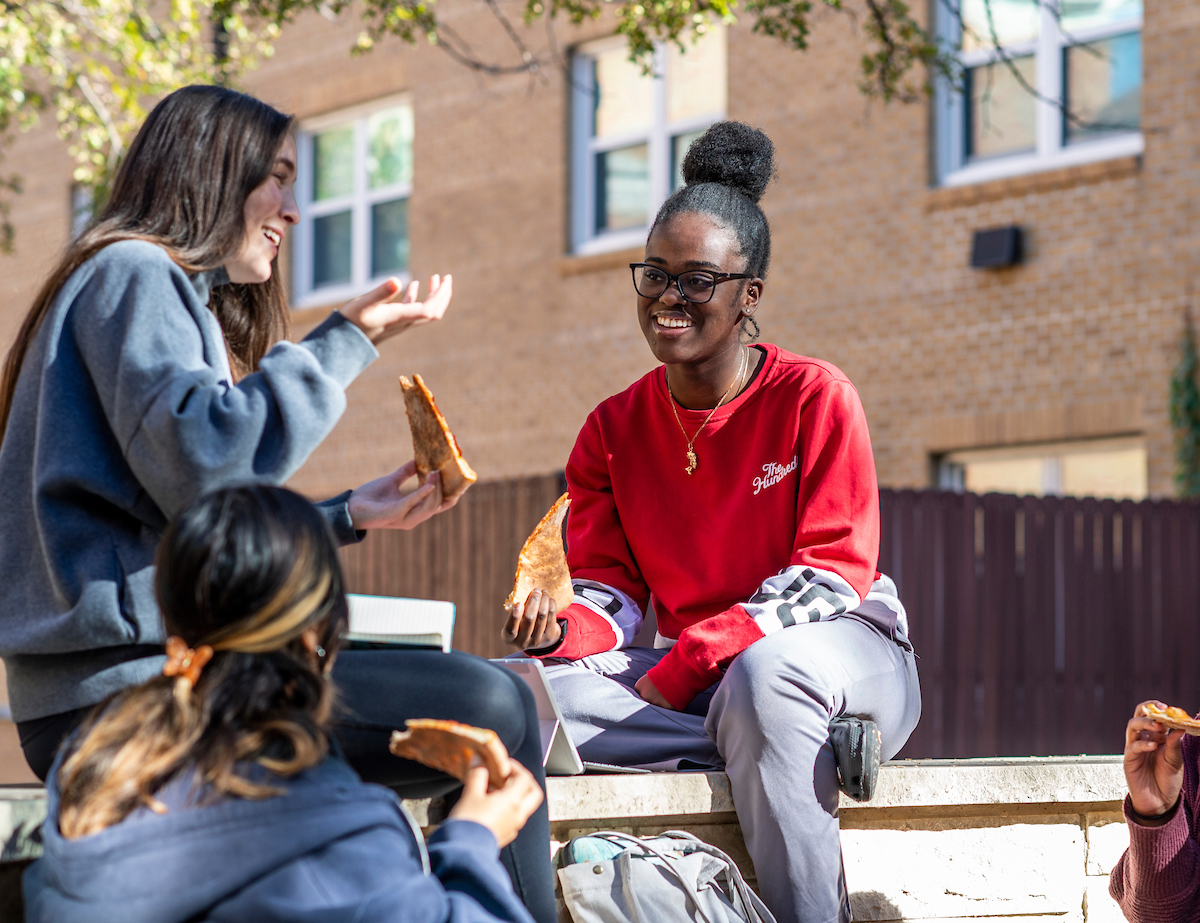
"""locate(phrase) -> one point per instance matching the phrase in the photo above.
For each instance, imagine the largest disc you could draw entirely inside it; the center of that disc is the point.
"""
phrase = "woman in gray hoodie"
(151, 369)
(215, 793)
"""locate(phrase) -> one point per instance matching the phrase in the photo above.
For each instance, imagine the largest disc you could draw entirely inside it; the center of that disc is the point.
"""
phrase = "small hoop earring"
(757, 330)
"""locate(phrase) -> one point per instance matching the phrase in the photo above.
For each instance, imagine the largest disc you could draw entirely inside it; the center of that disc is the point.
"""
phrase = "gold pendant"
(692, 461)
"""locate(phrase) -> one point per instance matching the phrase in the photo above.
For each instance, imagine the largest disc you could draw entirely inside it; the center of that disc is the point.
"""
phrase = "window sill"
(1045, 179)
(599, 262)
(336, 295)
(1129, 145)
(614, 240)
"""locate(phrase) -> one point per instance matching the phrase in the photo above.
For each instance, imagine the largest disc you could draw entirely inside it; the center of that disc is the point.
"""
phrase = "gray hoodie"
(124, 412)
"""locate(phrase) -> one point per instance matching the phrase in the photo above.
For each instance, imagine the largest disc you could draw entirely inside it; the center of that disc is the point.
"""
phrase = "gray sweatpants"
(767, 724)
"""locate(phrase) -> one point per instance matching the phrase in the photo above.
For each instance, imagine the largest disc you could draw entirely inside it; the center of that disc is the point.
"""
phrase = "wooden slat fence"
(1040, 622)
(467, 555)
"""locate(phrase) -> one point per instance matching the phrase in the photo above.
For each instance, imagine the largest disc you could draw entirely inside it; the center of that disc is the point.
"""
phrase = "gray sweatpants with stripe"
(767, 724)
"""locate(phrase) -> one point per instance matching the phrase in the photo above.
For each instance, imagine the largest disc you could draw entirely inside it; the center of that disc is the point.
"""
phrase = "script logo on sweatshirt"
(773, 473)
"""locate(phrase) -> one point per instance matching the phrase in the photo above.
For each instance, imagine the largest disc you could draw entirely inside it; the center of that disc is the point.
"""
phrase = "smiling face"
(680, 331)
(269, 209)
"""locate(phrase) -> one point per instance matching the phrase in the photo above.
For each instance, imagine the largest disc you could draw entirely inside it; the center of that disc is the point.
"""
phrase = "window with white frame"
(1084, 468)
(353, 185)
(632, 129)
(1046, 84)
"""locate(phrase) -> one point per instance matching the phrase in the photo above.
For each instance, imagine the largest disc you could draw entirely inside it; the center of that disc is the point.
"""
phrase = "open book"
(392, 621)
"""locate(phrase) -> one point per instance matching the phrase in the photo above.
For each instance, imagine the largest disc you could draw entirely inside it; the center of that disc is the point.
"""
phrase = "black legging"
(379, 690)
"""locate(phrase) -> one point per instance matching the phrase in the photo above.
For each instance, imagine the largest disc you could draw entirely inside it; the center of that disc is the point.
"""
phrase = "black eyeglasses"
(694, 285)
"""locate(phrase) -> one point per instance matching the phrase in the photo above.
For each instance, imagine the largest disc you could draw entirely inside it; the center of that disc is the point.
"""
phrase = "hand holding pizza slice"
(498, 792)
(1153, 760)
(542, 586)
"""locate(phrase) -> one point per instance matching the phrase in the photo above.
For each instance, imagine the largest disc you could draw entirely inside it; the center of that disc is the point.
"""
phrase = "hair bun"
(731, 154)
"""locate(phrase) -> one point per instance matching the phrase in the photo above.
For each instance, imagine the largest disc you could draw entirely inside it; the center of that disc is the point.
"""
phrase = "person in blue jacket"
(215, 792)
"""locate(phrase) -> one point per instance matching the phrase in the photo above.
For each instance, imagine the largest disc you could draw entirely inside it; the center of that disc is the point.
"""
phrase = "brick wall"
(869, 269)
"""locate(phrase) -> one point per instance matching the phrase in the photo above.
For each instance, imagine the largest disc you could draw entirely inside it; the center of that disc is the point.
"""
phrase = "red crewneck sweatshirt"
(779, 523)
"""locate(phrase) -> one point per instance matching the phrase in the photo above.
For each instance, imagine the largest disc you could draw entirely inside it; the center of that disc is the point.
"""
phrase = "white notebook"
(397, 620)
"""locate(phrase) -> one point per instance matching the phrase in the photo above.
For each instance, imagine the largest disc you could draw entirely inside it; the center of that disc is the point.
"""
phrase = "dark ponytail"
(244, 571)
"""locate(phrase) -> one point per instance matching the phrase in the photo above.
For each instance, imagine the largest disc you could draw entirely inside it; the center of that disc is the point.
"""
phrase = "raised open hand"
(379, 316)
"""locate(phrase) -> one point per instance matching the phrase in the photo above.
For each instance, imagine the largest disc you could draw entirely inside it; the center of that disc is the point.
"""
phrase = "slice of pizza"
(543, 562)
(1173, 717)
(434, 446)
(452, 748)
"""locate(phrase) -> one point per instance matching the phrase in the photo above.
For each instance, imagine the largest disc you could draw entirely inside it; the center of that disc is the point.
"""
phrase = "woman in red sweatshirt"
(1158, 877)
(733, 489)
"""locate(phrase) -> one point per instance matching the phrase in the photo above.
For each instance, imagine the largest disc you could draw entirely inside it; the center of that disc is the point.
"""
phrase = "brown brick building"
(513, 186)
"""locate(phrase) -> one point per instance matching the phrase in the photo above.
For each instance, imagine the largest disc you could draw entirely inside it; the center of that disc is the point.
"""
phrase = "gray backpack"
(611, 877)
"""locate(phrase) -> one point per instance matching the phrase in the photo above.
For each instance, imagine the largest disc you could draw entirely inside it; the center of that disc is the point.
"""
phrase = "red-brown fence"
(1039, 622)
(467, 555)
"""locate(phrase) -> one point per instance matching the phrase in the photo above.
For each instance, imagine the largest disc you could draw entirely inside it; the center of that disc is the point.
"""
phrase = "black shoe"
(857, 747)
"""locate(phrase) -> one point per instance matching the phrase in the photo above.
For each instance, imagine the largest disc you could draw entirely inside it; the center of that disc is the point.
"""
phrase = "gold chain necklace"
(693, 462)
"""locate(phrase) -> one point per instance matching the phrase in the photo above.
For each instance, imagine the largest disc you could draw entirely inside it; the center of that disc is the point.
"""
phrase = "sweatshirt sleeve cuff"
(584, 633)
(336, 511)
(680, 679)
(466, 833)
(1154, 855)
(341, 348)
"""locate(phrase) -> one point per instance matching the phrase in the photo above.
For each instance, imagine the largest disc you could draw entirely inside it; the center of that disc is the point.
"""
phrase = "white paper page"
(394, 618)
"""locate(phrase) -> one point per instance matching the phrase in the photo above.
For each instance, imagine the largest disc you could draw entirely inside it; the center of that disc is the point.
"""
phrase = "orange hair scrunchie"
(184, 662)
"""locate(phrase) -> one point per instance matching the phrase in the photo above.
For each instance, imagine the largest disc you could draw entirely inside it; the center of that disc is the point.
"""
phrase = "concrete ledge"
(942, 840)
(1079, 781)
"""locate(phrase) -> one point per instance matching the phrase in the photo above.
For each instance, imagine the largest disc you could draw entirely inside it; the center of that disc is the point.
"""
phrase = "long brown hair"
(245, 570)
(183, 185)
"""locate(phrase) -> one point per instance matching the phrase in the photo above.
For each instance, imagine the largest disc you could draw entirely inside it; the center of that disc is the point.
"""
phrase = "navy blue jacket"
(333, 848)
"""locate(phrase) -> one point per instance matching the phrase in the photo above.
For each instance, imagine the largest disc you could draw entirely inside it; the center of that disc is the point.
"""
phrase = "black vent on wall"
(996, 248)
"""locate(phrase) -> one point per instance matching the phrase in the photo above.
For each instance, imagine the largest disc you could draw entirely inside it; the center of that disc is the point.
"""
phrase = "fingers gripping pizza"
(1173, 717)
(452, 748)
(434, 446)
(543, 562)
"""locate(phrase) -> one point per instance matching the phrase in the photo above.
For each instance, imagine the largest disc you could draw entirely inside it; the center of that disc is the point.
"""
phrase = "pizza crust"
(434, 446)
(543, 562)
(452, 748)
(1175, 718)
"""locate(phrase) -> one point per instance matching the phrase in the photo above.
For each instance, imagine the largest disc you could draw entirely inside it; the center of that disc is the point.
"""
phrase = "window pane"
(389, 143)
(624, 95)
(1084, 14)
(1001, 112)
(1120, 474)
(333, 163)
(389, 237)
(1014, 21)
(696, 78)
(623, 188)
(679, 147)
(331, 249)
(1023, 476)
(1104, 87)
